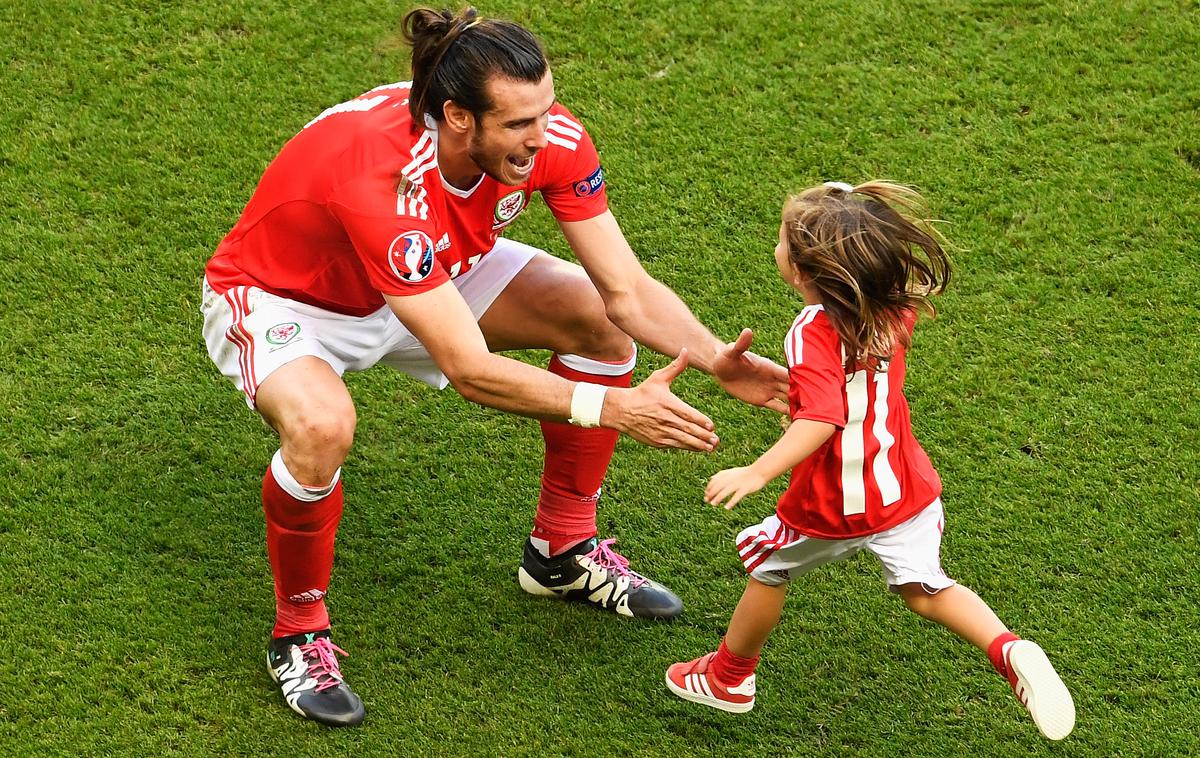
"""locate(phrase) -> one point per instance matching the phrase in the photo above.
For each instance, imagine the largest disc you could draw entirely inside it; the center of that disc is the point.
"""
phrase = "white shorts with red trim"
(251, 333)
(775, 553)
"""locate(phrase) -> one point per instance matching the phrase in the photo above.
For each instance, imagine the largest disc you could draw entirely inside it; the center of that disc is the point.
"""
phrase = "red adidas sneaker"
(694, 681)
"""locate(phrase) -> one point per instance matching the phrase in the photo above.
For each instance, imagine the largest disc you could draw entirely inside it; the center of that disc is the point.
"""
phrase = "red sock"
(995, 653)
(576, 461)
(300, 545)
(731, 670)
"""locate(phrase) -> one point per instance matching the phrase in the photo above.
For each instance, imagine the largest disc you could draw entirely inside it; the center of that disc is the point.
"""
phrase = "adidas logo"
(604, 589)
(443, 243)
(308, 596)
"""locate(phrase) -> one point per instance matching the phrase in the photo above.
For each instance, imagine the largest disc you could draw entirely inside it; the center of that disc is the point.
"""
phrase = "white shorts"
(774, 553)
(251, 333)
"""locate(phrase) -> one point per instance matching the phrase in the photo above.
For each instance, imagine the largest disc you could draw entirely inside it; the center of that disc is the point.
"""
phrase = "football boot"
(592, 572)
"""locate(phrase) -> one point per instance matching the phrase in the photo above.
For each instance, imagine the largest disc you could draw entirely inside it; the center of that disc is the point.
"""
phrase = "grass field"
(1060, 142)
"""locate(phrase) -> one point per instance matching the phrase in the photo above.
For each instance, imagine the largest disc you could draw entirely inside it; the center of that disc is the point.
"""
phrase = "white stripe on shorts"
(237, 334)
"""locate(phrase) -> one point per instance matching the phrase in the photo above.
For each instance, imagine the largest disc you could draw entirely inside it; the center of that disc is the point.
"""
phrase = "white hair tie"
(848, 189)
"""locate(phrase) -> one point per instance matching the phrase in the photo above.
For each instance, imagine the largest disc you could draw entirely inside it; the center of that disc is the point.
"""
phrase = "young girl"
(865, 262)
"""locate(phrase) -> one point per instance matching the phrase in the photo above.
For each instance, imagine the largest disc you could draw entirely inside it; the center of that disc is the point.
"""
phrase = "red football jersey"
(354, 207)
(872, 474)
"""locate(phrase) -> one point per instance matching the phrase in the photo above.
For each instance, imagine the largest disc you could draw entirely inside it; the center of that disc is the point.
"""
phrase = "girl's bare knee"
(918, 598)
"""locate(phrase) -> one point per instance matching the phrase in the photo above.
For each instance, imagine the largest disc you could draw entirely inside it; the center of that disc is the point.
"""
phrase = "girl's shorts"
(775, 553)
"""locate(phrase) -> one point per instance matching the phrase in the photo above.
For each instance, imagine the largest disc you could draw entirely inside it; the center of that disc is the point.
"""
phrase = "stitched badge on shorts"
(281, 334)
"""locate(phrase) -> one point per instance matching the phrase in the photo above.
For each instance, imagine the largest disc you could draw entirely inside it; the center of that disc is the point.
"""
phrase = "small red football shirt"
(872, 474)
(354, 207)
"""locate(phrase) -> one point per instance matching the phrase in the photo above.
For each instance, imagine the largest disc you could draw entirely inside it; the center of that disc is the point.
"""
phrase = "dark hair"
(872, 254)
(454, 57)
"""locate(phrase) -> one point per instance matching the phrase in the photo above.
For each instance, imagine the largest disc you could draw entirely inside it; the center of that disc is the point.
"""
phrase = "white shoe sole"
(1046, 697)
(711, 702)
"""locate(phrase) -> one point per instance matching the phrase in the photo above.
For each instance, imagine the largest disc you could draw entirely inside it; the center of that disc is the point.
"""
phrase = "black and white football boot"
(306, 668)
(594, 573)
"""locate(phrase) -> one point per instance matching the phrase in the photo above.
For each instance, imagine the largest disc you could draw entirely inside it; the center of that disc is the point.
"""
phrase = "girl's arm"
(797, 443)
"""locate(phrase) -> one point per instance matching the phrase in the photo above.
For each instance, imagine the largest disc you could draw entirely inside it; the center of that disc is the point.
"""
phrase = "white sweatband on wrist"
(587, 401)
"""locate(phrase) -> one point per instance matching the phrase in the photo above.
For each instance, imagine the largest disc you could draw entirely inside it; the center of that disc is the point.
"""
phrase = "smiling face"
(506, 138)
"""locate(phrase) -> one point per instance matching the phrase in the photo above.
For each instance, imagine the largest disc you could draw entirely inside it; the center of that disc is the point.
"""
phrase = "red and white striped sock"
(301, 525)
(576, 461)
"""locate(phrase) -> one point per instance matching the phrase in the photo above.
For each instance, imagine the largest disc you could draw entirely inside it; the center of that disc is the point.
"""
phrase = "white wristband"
(586, 404)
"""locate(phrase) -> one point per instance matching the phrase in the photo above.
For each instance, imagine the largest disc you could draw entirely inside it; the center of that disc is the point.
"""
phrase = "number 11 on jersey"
(854, 444)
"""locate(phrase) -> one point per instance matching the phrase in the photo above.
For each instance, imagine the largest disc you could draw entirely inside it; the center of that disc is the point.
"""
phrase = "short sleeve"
(396, 248)
(816, 377)
(571, 180)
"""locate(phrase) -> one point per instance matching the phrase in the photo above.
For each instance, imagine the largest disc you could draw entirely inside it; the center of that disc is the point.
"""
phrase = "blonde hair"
(872, 254)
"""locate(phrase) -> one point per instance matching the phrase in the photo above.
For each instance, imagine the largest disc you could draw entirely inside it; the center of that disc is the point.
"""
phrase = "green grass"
(1056, 393)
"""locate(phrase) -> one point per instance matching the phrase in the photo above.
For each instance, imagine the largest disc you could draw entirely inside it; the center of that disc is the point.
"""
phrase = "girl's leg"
(1024, 664)
(912, 550)
(963, 612)
(756, 615)
(725, 679)
(958, 609)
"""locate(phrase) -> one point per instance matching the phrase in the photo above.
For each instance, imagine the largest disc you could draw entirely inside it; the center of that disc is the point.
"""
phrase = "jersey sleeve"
(392, 234)
(816, 376)
(571, 181)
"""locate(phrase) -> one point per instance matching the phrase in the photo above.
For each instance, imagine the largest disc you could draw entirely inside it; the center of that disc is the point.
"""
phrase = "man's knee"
(316, 439)
(606, 343)
(325, 428)
(306, 402)
(589, 332)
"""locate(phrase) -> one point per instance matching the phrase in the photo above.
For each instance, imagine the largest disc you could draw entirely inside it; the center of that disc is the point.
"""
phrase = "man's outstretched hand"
(652, 415)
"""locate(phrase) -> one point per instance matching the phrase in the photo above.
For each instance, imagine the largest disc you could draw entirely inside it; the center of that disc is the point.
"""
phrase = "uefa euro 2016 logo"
(411, 256)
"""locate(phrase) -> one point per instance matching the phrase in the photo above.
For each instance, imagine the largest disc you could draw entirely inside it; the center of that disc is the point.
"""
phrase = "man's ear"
(456, 117)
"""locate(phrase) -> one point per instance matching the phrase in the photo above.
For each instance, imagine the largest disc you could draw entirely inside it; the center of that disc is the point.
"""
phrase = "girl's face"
(794, 278)
(781, 257)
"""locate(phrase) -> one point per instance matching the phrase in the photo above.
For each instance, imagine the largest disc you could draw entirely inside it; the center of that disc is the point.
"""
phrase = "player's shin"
(301, 526)
(576, 461)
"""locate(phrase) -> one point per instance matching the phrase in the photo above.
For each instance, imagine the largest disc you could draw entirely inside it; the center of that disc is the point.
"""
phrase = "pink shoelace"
(323, 662)
(610, 559)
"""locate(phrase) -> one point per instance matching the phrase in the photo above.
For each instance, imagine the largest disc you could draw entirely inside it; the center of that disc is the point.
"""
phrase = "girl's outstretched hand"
(749, 377)
(733, 484)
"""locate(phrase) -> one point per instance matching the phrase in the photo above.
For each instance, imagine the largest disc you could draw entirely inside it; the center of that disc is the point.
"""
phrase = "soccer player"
(865, 262)
(376, 236)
